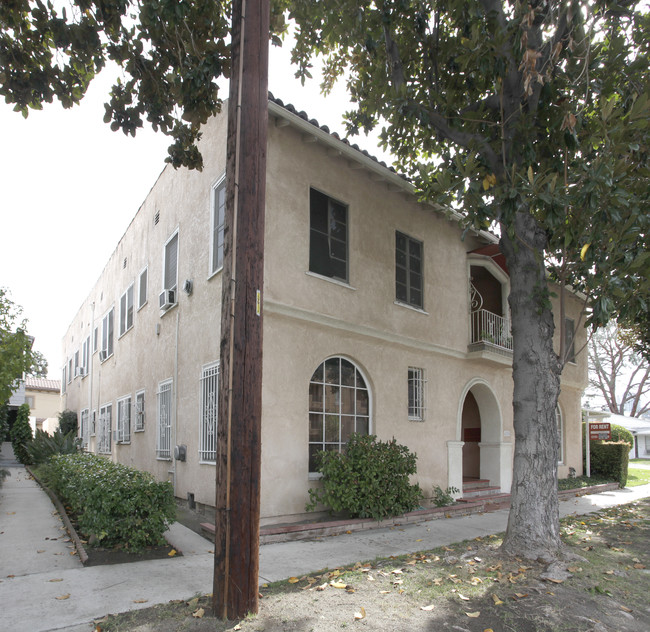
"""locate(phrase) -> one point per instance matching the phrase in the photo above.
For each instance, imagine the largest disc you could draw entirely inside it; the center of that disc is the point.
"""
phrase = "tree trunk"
(533, 525)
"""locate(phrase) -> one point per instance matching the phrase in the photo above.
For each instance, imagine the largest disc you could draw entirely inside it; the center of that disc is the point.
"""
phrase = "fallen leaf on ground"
(427, 608)
(639, 566)
(41, 551)
(497, 601)
(199, 613)
(463, 597)
(56, 579)
(62, 597)
(473, 615)
(626, 609)
(172, 553)
(338, 584)
(140, 600)
(293, 580)
(521, 595)
(361, 614)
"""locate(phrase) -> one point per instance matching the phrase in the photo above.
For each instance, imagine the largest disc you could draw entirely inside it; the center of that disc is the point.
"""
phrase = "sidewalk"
(41, 592)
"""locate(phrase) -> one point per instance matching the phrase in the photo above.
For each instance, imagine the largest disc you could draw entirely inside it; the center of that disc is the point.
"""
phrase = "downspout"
(89, 367)
(233, 289)
(174, 395)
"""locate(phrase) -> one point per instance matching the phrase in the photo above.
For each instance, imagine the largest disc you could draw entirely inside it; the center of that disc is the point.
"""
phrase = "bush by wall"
(44, 445)
(114, 503)
(370, 479)
(68, 421)
(21, 435)
(610, 459)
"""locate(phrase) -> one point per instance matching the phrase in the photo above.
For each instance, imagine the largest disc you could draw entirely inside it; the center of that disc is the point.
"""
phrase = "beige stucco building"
(378, 318)
(44, 399)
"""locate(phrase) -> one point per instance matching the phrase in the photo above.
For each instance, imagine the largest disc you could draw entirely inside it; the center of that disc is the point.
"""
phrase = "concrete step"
(480, 492)
(475, 483)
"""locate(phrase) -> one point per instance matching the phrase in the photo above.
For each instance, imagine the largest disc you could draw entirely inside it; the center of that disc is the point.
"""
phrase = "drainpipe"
(175, 396)
(89, 368)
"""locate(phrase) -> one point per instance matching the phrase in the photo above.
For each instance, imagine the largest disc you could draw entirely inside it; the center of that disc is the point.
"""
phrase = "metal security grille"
(85, 428)
(139, 411)
(416, 387)
(124, 420)
(104, 430)
(209, 414)
(164, 440)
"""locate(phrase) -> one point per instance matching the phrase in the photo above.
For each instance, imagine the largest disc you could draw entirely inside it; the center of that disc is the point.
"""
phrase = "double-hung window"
(107, 335)
(328, 236)
(124, 420)
(104, 429)
(85, 356)
(164, 435)
(209, 413)
(139, 411)
(218, 213)
(126, 310)
(408, 270)
(569, 340)
(416, 394)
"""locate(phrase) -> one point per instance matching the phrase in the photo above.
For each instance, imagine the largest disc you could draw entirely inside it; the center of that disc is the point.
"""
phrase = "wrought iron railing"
(491, 328)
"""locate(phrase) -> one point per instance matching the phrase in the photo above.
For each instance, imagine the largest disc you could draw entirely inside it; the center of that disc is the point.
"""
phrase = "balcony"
(490, 337)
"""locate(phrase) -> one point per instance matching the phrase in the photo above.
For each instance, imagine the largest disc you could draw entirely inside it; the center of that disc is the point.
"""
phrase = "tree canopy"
(170, 55)
(16, 354)
(530, 118)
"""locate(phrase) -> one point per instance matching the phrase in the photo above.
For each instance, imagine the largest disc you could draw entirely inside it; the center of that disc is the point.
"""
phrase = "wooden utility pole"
(235, 590)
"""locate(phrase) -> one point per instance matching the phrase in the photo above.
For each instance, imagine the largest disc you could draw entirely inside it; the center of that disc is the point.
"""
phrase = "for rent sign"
(600, 432)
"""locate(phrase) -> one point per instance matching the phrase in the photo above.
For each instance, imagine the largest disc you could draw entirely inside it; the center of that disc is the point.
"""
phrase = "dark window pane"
(416, 298)
(347, 401)
(318, 208)
(331, 428)
(363, 425)
(347, 428)
(318, 374)
(314, 449)
(400, 242)
(332, 371)
(332, 399)
(315, 427)
(362, 402)
(316, 397)
(400, 276)
(347, 373)
(400, 292)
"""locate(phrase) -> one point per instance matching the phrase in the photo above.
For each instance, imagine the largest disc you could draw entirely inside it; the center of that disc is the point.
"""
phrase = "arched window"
(339, 404)
(560, 433)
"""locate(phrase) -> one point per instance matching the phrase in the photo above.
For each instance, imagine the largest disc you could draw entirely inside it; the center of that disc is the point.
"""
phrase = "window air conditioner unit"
(166, 299)
(103, 355)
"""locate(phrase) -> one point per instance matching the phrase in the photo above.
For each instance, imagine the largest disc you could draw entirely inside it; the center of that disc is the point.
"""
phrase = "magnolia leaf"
(340, 585)
(626, 609)
(473, 615)
(531, 176)
(497, 601)
(463, 597)
(199, 613)
(583, 251)
(62, 597)
(56, 579)
(140, 600)
(293, 580)
(427, 608)
(361, 614)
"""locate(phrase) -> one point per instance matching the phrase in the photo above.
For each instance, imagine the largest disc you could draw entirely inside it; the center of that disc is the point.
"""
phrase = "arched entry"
(479, 450)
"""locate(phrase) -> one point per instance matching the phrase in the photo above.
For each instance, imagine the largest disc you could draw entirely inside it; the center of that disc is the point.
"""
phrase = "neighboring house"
(639, 427)
(44, 399)
(378, 318)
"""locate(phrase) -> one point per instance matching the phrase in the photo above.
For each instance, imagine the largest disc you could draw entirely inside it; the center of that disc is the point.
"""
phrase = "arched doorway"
(479, 450)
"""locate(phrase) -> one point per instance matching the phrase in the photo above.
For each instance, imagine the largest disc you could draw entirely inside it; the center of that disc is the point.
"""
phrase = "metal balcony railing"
(490, 328)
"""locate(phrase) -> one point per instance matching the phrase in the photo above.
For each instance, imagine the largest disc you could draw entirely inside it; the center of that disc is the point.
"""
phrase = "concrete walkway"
(52, 591)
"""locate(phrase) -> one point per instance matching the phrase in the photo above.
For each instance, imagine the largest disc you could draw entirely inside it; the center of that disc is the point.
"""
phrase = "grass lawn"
(641, 462)
(636, 476)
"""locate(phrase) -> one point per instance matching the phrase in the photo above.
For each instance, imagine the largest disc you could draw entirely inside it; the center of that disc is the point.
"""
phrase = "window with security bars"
(339, 404)
(124, 420)
(408, 270)
(416, 394)
(85, 428)
(139, 411)
(164, 438)
(209, 414)
(104, 429)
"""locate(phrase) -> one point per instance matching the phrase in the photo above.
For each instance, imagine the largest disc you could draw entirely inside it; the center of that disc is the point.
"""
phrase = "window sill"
(419, 310)
(124, 333)
(139, 430)
(215, 273)
(163, 312)
(330, 280)
(315, 476)
(207, 462)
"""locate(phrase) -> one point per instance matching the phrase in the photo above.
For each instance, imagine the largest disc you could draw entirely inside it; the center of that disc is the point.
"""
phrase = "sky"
(69, 188)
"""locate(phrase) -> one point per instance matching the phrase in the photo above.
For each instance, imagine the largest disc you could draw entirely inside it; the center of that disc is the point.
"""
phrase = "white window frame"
(209, 413)
(166, 285)
(93, 424)
(216, 227)
(406, 267)
(69, 370)
(164, 422)
(105, 428)
(126, 310)
(124, 419)
(84, 416)
(417, 402)
(142, 295)
(85, 356)
(108, 333)
(139, 411)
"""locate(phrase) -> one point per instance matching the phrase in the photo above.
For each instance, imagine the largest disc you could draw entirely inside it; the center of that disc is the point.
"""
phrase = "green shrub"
(369, 478)
(68, 422)
(44, 445)
(116, 504)
(610, 459)
(443, 498)
(4, 421)
(21, 435)
(622, 434)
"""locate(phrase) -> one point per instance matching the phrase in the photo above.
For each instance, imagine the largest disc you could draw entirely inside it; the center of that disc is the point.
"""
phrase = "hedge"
(116, 504)
(610, 459)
